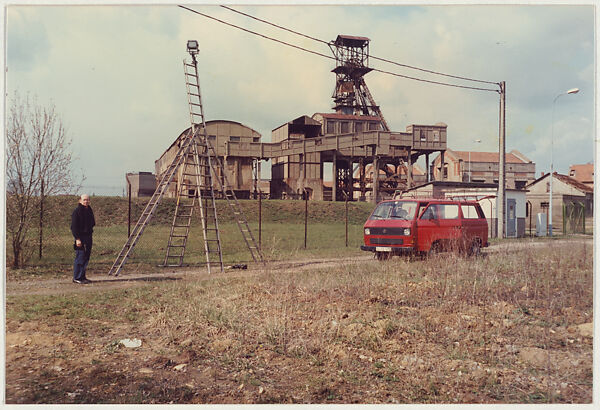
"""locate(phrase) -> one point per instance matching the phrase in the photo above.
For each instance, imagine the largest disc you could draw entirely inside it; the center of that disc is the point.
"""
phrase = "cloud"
(115, 72)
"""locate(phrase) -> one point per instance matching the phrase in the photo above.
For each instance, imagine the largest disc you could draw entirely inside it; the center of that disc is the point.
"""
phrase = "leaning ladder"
(184, 147)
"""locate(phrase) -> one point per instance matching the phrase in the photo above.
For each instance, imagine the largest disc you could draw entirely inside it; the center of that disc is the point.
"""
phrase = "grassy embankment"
(282, 233)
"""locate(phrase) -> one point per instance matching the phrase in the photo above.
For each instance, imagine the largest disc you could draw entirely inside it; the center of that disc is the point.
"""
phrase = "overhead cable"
(332, 58)
(371, 56)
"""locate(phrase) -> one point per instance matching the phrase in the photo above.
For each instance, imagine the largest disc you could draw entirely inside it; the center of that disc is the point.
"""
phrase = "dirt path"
(126, 280)
(102, 282)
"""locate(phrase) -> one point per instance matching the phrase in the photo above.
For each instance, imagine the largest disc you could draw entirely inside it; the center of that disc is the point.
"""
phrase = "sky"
(114, 74)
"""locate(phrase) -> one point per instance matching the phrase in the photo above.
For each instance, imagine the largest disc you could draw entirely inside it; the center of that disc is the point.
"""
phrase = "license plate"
(383, 249)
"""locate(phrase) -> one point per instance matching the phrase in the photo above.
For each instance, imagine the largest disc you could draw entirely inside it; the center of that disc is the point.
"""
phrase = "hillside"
(113, 211)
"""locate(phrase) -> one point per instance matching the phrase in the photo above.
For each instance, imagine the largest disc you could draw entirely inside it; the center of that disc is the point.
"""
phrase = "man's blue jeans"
(82, 257)
(81, 262)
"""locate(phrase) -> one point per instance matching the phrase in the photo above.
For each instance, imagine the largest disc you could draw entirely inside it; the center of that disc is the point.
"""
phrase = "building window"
(423, 135)
(345, 127)
(436, 136)
(520, 184)
(572, 173)
(358, 126)
(547, 186)
(373, 126)
(255, 139)
(212, 137)
(330, 127)
(234, 139)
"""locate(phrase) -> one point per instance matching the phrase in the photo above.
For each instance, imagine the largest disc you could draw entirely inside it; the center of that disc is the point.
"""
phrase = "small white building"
(487, 196)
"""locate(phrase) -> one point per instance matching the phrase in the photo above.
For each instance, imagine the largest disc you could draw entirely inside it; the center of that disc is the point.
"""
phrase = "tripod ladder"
(197, 113)
(146, 216)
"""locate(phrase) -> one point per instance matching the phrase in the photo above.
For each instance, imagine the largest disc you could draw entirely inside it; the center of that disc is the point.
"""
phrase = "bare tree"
(38, 165)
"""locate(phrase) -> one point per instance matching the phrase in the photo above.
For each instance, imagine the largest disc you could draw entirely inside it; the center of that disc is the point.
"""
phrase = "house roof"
(582, 172)
(476, 156)
(567, 180)
(337, 116)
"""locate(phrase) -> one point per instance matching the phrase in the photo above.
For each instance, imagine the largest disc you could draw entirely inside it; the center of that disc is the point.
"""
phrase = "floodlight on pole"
(571, 91)
(192, 48)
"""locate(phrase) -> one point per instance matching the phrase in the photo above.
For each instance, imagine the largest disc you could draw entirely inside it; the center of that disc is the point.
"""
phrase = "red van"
(421, 226)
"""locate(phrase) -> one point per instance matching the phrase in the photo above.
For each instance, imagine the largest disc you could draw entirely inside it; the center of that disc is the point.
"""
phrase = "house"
(583, 173)
(487, 195)
(472, 166)
(572, 202)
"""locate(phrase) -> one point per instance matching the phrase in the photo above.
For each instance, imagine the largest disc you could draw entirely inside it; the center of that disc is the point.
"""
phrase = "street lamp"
(478, 140)
(571, 91)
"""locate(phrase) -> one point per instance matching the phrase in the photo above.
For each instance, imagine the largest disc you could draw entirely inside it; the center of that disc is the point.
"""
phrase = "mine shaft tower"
(351, 95)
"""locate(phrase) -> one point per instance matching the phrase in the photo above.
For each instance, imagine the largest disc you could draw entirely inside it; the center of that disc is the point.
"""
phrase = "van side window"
(430, 213)
(448, 211)
(469, 212)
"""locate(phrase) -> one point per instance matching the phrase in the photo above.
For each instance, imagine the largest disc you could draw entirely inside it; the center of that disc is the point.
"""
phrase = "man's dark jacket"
(82, 221)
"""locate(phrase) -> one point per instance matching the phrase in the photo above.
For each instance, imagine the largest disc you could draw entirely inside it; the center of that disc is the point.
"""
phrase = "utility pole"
(501, 165)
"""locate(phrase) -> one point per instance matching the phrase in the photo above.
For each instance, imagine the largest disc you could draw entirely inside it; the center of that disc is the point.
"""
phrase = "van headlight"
(367, 231)
(406, 231)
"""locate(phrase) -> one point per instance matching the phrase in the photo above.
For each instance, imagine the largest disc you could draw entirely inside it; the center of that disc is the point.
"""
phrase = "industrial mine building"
(351, 139)
(237, 146)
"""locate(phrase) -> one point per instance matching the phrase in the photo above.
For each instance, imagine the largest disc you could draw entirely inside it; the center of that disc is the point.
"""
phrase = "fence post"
(583, 216)
(305, 217)
(346, 220)
(564, 212)
(259, 219)
(129, 208)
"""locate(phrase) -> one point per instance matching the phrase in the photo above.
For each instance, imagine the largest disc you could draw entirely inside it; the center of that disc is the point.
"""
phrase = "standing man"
(82, 226)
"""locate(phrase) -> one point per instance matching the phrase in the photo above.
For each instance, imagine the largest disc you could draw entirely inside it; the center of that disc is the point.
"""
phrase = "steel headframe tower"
(351, 95)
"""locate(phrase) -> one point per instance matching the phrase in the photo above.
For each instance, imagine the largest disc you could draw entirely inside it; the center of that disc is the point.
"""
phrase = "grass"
(281, 236)
(440, 330)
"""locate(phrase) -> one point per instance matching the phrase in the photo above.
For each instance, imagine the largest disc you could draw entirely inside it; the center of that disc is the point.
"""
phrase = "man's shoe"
(86, 281)
(78, 281)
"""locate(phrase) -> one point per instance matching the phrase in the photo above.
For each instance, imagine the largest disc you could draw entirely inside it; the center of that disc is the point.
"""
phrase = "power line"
(332, 58)
(258, 34)
(373, 57)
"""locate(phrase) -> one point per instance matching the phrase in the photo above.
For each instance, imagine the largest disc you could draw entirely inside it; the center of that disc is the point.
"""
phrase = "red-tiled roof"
(487, 157)
(582, 172)
(573, 182)
(348, 116)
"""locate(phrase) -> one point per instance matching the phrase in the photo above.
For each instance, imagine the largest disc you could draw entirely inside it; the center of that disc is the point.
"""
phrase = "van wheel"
(435, 249)
(474, 249)
(383, 256)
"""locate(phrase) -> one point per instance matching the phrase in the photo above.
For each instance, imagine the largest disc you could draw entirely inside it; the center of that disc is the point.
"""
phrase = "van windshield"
(395, 210)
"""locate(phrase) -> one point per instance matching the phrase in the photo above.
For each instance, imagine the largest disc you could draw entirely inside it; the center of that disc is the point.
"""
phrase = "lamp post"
(501, 202)
(571, 91)
(470, 160)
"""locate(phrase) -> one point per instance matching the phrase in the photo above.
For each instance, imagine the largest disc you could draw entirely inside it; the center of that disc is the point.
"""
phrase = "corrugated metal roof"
(348, 116)
(354, 37)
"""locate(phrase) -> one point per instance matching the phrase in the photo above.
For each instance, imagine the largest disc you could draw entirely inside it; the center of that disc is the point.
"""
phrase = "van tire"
(435, 249)
(474, 249)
